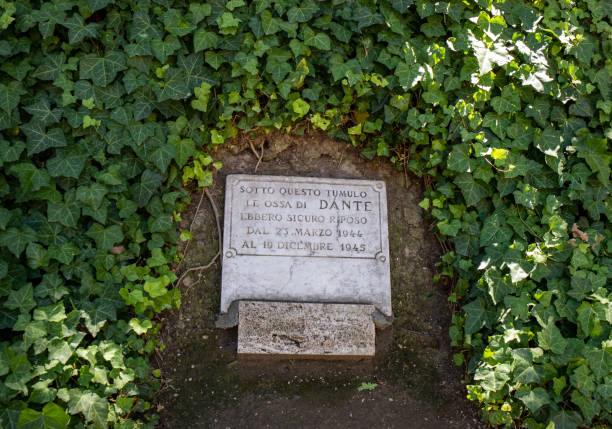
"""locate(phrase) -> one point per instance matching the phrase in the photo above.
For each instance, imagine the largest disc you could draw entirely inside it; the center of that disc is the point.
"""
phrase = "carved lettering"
(356, 205)
(305, 218)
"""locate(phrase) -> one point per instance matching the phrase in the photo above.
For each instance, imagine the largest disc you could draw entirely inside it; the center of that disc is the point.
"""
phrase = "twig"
(257, 155)
(190, 226)
(443, 244)
(405, 164)
(214, 259)
(518, 212)
(494, 166)
(342, 155)
(216, 212)
(203, 267)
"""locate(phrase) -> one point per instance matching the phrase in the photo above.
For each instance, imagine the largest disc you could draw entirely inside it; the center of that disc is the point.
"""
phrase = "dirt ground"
(417, 384)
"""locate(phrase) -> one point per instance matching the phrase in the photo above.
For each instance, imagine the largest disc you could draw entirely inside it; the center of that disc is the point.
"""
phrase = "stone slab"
(305, 239)
(307, 330)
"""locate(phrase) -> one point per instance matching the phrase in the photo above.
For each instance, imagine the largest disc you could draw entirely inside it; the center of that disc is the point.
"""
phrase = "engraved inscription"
(340, 219)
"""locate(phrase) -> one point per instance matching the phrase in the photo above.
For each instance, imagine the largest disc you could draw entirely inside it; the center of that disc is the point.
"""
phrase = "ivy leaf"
(10, 153)
(162, 49)
(473, 190)
(233, 4)
(140, 327)
(162, 156)
(523, 368)
(508, 102)
(549, 141)
(141, 132)
(550, 338)
(174, 86)
(175, 23)
(97, 314)
(341, 33)
(183, 149)
(214, 60)
(143, 190)
(300, 107)
(67, 213)
(92, 406)
(587, 318)
(459, 159)
(600, 362)
(37, 256)
(401, 5)
(21, 299)
(16, 240)
(589, 407)
(519, 266)
(365, 17)
(200, 11)
(595, 152)
(203, 39)
(92, 195)
(227, 23)
(10, 95)
(133, 80)
(101, 70)
(195, 71)
(52, 286)
(566, 419)
(41, 110)
(534, 399)
(41, 139)
(495, 230)
(30, 177)
(317, 40)
(50, 313)
(487, 57)
(67, 163)
(409, 75)
(492, 379)
(51, 67)
(77, 30)
(52, 417)
(303, 12)
(3, 269)
(202, 94)
(95, 5)
(65, 253)
(269, 24)
(105, 237)
(475, 316)
(10, 417)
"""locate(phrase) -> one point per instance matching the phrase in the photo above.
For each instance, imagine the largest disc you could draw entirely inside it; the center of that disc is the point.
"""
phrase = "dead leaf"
(598, 239)
(579, 234)
(117, 250)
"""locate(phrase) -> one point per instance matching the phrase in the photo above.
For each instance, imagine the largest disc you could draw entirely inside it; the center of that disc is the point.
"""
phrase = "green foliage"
(367, 386)
(107, 109)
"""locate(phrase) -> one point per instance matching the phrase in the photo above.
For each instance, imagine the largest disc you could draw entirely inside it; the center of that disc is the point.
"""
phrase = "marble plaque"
(305, 239)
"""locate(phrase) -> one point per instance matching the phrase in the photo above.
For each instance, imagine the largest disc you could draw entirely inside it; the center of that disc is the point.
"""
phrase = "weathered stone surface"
(305, 330)
(305, 239)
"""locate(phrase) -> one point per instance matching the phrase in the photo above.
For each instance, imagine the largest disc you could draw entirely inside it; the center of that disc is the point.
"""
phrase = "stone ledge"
(305, 330)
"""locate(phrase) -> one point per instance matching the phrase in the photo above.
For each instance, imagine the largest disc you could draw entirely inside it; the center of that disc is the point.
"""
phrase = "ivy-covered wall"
(110, 111)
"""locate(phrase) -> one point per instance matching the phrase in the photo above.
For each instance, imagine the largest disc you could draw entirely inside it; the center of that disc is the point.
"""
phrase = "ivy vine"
(110, 111)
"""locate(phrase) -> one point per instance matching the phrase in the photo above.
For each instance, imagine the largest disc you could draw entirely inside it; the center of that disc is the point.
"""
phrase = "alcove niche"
(411, 381)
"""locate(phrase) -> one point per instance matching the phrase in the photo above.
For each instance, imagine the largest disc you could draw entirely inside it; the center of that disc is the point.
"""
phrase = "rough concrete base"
(305, 330)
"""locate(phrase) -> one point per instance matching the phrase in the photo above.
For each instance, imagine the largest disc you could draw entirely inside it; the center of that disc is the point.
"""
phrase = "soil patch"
(415, 383)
